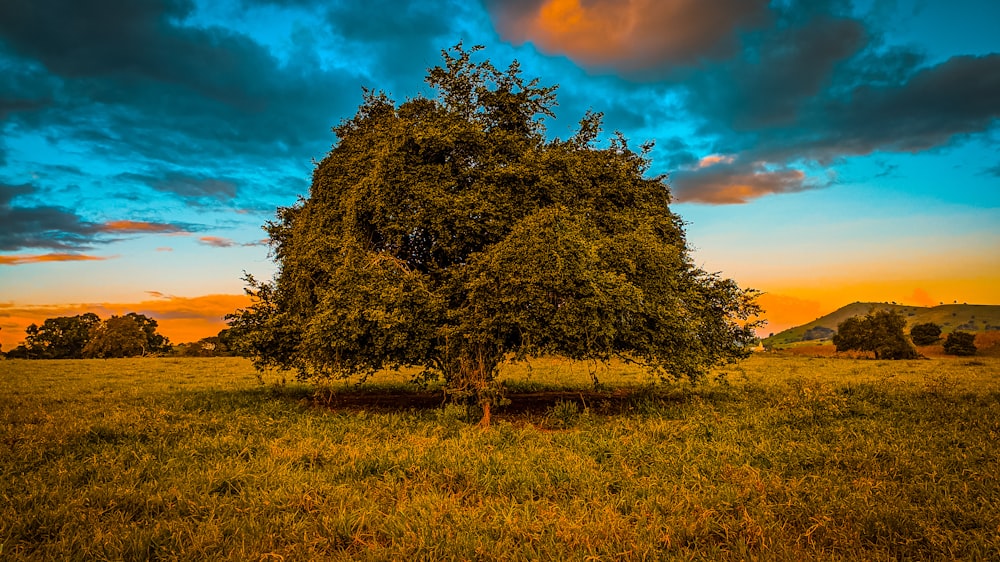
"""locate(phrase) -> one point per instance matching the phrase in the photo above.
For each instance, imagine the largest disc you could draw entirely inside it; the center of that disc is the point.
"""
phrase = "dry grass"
(779, 457)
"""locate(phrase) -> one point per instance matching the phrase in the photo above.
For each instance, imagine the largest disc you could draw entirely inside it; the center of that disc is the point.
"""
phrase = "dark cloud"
(58, 228)
(823, 89)
(136, 40)
(187, 186)
(771, 82)
(44, 226)
(993, 171)
(130, 79)
(938, 103)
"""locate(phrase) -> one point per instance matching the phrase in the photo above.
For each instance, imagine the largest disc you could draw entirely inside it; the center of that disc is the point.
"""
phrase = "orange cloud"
(921, 298)
(630, 35)
(142, 226)
(217, 241)
(38, 258)
(718, 180)
(182, 319)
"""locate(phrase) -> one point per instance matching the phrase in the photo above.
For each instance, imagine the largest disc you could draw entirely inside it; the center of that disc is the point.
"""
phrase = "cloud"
(723, 180)
(186, 185)
(138, 83)
(922, 298)
(217, 241)
(130, 227)
(39, 258)
(629, 36)
(57, 228)
(42, 226)
(220, 242)
(817, 88)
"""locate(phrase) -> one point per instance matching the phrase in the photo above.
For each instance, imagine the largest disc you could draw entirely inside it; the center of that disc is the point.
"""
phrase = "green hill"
(951, 317)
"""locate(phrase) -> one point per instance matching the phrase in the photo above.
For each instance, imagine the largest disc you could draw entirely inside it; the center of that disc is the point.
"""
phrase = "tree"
(960, 343)
(155, 342)
(63, 337)
(879, 332)
(118, 336)
(449, 233)
(925, 334)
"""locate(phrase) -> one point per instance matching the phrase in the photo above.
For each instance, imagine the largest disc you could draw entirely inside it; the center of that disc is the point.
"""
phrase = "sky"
(824, 152)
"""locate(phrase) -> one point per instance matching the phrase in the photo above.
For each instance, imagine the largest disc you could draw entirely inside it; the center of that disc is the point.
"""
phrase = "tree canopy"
(960, 343)
(63, 337)
(451, 233)
(925, 334)
(879, 332)
(118, 336)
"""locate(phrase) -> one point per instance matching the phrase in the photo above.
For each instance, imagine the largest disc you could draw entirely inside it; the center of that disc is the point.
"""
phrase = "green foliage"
(879, 332)
(154, 341)
(73, 337)
(960, 343)
(450, 234)
(64, 337)
(118, 336)
(925, 334)
(212, 346)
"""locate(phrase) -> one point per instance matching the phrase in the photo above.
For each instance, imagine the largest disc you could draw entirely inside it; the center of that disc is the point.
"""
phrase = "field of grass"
(778, 457)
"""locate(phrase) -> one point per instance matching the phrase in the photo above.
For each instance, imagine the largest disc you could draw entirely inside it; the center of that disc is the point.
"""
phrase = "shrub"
(925, 334)
(960, 343)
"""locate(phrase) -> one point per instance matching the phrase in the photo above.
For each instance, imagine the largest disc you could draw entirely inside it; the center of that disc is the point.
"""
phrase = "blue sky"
(823, 151)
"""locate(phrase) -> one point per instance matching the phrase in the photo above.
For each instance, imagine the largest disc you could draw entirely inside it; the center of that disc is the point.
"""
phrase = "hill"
(951, 317)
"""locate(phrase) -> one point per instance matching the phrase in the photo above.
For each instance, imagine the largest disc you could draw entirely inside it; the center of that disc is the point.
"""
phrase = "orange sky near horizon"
(187, 319)
(182, 319)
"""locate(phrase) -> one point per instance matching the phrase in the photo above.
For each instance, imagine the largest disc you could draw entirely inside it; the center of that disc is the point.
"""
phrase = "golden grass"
(778, 457)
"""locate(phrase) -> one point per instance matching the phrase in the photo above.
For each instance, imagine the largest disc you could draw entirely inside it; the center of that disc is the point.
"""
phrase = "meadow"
(780, 457)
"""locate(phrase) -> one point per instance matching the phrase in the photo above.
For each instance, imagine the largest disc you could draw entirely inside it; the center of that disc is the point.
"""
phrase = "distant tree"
(63, 337)
(449, 233)
(960, 343)
(19, 352)
(155, 342)
(880, 332)
(212, 346)
(118, 336)
(817, 333)
(925, 334)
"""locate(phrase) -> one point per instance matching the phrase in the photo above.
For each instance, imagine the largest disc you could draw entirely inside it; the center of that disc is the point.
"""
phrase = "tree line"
(88, 336)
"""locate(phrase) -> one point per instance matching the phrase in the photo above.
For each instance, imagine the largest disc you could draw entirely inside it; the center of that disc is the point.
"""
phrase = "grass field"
(779, 457)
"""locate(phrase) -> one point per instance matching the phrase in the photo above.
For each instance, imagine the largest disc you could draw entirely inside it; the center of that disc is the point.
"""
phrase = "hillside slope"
(951, 317)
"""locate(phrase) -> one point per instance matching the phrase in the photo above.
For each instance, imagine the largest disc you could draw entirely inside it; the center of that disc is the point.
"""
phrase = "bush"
(960, 343)
(925, 334)
(880, 332)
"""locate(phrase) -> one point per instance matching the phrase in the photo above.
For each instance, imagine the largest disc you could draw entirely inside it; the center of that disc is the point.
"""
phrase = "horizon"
(825, 153)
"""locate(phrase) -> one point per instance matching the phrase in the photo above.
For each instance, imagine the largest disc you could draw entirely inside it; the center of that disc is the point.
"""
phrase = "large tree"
(451, 233)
